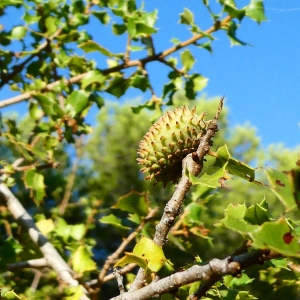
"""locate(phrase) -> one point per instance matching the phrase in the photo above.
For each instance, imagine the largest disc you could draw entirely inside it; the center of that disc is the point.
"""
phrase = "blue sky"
(261, 82)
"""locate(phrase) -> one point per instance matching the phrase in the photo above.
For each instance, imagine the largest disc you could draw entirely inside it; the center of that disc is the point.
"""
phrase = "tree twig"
(211, 272)
(17, 69)
(113, 257)
(33, 263)
(125, 65)
(72, 176)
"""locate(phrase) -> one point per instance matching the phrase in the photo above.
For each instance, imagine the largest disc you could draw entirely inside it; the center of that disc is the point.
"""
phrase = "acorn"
(168, 142)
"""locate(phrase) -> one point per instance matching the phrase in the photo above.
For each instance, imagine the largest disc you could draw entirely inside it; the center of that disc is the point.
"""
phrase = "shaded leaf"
(133, 202)
(114, 221)
(118, 86)
(257, 214)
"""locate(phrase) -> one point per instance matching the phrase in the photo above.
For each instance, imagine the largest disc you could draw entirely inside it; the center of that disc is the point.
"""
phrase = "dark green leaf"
(140, 82)
(102, 16)
(118, 86)
(114, 221)
(133, 202)
(119, 29)
(257, 214)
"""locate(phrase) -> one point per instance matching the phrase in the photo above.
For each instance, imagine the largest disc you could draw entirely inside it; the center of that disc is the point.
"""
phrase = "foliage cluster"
(82, 186)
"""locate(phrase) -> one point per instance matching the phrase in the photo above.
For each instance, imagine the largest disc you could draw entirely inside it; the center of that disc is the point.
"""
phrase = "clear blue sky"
(261, 82)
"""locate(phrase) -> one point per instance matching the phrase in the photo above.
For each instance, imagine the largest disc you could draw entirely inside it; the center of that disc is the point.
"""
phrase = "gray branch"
(54, 260)
(209, 273)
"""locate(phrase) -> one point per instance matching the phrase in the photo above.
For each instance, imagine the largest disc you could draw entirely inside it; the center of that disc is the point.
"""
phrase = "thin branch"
(125, 65)
(33, 263)
(72, 176)
(211, 272)
(50, 165)
(17, 69)
(54, 260)
(172, 67)
(113, 257)
(194, 163)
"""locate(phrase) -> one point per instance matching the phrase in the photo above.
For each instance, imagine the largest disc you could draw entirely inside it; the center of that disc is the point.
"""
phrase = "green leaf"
(195, 84)
(234, 12)
(212, 180)
(96, 99)
(231, 33)
(130, 258)
(119, 29)
(81, 260)
(46, 102)
(131, 27)
(257, 214)
(193, 214)
(234, 219)
(140, 82)
(18, 32)
(77, 232)
(102, 16)
(187, 17)
(234, 166)
(277, 237)
(35, 182)
(118, 86)
(255, 11)
(234, 282)
(133, 202)
(35, 112)
(77, 102)
(154, 254)
(281, 186)
(114, 221)
(94, 76)
(187, 59)
(91, 46)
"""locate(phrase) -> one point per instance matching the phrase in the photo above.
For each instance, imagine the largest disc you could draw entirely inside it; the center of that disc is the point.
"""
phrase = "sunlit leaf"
(82, 261)
(255, 10)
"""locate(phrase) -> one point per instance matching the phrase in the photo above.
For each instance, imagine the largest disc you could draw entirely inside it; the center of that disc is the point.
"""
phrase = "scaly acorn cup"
(168, 141)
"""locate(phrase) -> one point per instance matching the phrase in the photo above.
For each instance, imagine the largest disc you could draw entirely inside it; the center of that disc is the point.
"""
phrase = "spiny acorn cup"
(168, 142)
